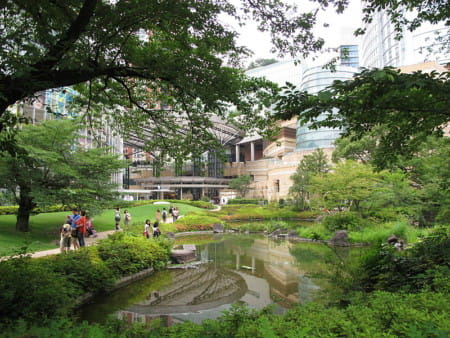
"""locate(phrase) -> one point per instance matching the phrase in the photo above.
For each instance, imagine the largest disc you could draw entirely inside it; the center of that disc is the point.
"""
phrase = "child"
(156, 231)
(147, 228)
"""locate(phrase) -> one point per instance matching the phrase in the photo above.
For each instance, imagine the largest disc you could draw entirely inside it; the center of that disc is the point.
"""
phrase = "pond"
(248, 269)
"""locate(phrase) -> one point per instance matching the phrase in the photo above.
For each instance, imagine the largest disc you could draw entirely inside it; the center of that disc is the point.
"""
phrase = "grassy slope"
(44, 227)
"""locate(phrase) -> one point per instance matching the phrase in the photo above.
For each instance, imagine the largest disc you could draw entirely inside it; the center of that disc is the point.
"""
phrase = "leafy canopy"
(403, 108)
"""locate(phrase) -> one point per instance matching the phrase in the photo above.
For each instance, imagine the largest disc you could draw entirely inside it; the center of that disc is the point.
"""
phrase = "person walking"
(73, 226)
(164, 215)
(175, 214)
(117, 218)
(126, 218)
(158, 216)
(81, 228)
(147, 226)
(156, 231)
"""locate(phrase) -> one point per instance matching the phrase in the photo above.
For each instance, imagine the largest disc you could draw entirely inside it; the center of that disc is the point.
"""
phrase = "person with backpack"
(164, 215)
(156, 231)
(117, 218)
(72, 219)
(126, 217)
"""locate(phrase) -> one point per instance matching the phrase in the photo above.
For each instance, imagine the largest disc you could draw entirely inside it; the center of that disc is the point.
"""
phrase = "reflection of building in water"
(288, 283)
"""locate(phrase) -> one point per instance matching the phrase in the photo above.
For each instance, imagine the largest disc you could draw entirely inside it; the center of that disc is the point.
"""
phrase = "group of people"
(76, 227)
(164, 214)
(151, 229)
(118, 217)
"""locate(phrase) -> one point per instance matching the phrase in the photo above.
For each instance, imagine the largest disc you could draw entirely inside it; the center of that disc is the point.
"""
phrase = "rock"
(170, 235)
(189, 247)
(275, 233)
(392, 239)
(218, 227)
(340, 238)
(292, 233)
(183, 256)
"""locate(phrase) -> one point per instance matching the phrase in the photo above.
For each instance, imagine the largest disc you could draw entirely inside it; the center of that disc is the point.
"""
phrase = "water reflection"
(250, 269)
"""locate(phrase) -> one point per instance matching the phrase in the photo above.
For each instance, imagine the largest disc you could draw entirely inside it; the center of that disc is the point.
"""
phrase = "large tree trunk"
(26, 205)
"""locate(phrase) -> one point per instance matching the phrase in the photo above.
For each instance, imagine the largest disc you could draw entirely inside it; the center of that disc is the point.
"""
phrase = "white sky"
(340, 30)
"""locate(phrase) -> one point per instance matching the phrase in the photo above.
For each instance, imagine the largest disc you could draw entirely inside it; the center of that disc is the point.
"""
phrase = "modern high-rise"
(380, 46)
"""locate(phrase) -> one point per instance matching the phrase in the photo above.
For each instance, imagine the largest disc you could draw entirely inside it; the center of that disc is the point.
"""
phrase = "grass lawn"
(44, 227)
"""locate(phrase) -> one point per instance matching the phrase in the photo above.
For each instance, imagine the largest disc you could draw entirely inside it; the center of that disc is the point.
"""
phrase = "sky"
(339, 32)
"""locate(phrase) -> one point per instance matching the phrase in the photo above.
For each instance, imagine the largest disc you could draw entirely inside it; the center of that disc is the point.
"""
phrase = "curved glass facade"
(314, 80)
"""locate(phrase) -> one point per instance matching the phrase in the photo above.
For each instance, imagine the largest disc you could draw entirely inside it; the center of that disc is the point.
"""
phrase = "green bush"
(84, 268)
(33, 292)
(424, 266)
(347, 220)
(247, 201)
(126, 255)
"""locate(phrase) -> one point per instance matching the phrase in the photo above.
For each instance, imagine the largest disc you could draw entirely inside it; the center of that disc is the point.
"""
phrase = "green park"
(158, 179)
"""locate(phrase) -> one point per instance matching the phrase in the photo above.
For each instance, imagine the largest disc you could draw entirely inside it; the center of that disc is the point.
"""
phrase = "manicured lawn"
(44, 227)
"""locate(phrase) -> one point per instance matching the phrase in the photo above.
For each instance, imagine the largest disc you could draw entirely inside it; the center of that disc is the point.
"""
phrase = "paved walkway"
(88, 240)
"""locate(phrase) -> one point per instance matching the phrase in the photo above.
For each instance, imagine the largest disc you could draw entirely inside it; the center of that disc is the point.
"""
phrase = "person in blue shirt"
(72, 220)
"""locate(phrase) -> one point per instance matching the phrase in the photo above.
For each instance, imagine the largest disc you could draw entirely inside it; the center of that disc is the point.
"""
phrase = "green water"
(249, 269)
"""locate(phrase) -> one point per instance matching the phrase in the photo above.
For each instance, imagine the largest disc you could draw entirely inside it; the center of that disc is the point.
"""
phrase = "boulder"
(170, 235)
(183, 256)
(392, 239)
(218, 228)
(340, 238)
(275, 233)
(292, 234)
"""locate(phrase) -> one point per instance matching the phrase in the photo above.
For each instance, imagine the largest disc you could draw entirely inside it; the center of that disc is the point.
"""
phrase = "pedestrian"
(175, 214)
(117, 218)
(164, 215)
(156, 231)
(171, 210)
(126, 218)
(81, 228)
(65, 234)
(147, 226)
(73, 226)
(158, 216)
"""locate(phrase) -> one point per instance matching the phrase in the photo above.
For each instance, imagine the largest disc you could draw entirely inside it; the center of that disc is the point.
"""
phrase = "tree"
(127, 56)
(50, 167)
(242, 184)
(347, 186)
(406, 108)
(313, 164)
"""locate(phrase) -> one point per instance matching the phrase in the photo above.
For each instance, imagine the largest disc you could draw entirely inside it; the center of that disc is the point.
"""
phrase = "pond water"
(248, 269)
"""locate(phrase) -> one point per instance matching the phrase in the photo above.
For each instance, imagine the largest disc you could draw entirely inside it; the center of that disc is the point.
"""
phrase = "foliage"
(424, 266)
(126, 255)
(347, 186)
(246, 201)
(407, 107)
(51, 168)
(241, 184)
(83, 268)
(314, 164)
(33, 292)
(196, 222)
(175, 62)
(347, 220)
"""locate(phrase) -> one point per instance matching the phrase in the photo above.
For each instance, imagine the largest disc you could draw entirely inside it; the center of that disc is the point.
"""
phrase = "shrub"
(247, 201)
(126, 255)
(84, 268)
(33, 292)
(196, 222)
(347, 220)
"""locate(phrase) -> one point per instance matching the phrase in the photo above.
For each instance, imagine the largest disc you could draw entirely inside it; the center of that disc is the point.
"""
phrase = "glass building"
(314, 80)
